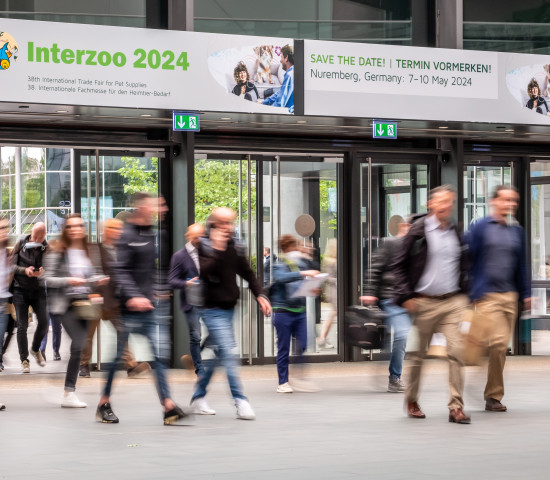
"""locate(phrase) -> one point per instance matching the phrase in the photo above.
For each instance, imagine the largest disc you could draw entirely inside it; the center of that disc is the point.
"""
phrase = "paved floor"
(350, 429)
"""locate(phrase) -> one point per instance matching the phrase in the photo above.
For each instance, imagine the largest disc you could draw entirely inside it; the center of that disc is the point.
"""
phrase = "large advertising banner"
(72, 64)
(381, 81)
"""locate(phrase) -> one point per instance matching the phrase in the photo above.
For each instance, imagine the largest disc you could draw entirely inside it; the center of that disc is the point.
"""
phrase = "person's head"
(533, 88)
(194, 233)
(73, 233)
(505, 200)
(287, 57)
(162, 208)
(38, 232)
(441, 202)
(145, 207)
(267, 251)
(223, 219)
(240, 74)
(112, 230)
(4, 232)
(288, 243)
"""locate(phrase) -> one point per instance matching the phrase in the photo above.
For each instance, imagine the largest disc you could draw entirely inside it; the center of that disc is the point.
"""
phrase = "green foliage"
(217, 185)
(329, 218)
(137, 177)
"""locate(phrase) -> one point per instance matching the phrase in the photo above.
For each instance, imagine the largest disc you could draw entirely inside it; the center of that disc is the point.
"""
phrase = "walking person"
(221, 260)
(56, 339)
(72, 272)
(289, 313)
(430, 282)
(329, 265)
(184, 271)
(379, 288)
(5, 295)
(26, 257)
(135, 277)
(498, 279)
(112, 230)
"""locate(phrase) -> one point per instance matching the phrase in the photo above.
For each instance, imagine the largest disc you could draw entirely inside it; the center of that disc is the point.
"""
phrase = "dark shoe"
(84, 371)
(458, 416)
(175, 416)
(138, 369)
(43, 352)
(56, 356)
(1, 366)
(492, 405)
(2, 406)
(413, 410)
(104, 414)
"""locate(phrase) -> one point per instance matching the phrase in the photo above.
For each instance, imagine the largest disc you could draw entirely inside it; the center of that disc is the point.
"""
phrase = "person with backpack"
(289, 312)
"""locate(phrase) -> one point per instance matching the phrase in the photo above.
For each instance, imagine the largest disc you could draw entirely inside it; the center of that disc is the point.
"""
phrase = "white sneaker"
(70, 400)
(25, 366)
(284, 388)
(200, 407)
(38, 357)
(244, 410)
(306, 386)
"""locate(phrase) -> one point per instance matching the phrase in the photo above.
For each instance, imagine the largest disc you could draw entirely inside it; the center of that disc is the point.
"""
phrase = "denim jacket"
(286, 280)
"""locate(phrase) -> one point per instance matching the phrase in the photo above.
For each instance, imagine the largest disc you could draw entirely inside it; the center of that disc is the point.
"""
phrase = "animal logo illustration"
(9, 51)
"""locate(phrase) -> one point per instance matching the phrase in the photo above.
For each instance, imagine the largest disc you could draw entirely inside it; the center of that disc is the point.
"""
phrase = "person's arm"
(122, 270)
(522, 276)
(283, 275)
(14, 258)
(245, 271)
(379, 264)
(400, 265)
(176, 274)
(52, 263)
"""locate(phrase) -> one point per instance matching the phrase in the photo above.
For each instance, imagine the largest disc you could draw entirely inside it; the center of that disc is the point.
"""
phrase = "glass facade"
(120, 13)
(507, 26)
(374, 21)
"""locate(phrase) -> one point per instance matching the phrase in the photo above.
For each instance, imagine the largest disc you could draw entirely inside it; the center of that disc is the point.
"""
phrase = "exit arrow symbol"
(181, 122)
(380, 129)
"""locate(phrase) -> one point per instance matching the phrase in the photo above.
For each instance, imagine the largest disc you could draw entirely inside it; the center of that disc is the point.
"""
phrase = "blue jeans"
(222, 339)
(56, 336)
(288, 325)
(399, 320)
(146, 324)
(194, 323)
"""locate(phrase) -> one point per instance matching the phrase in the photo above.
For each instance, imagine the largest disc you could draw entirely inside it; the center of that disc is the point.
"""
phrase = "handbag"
(85, 308)
(364, 326)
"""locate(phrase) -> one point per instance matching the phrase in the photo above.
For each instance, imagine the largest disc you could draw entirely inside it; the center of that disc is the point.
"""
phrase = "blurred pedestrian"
(112, 230)
(329, 266)
(221, 259)
(5, 295)
(26, 257)
(57, 329)
(498, 279)
(268, 257)
(289, 312)
(72, 273)
(135, 277)
(430, 282)
(379, 288)
(184, 272)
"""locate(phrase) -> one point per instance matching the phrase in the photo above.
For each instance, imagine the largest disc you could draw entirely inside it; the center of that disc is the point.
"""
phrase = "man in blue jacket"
(284, 97)
(498, 279)
(184, 269)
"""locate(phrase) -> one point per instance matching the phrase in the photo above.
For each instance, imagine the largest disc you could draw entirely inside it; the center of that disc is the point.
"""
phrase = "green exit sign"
(384, 129)
(185, 121)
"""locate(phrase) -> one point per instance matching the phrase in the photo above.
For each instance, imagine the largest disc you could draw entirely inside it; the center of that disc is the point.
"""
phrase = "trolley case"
(364, 327)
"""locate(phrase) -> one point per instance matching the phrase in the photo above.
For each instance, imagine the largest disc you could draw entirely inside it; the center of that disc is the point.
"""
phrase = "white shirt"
(441, 273)
(194, 254)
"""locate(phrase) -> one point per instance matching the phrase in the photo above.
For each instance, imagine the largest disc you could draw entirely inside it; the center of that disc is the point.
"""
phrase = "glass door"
(390, 192)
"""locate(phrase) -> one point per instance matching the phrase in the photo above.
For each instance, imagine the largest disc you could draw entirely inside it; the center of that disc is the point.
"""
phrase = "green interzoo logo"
(9, 51)
(153, 59)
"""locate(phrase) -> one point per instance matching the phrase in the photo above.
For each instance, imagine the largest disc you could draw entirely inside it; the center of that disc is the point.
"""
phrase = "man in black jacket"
(135, 275)
(221, 260)
(430, 282)
(27, 292)
(379, 288)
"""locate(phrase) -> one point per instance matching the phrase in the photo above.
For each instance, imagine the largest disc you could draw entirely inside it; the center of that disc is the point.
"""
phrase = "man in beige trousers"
(498, 280)
(430, 273)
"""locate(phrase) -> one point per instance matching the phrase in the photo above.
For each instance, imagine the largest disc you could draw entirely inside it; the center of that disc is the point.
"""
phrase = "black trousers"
(22, 300)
